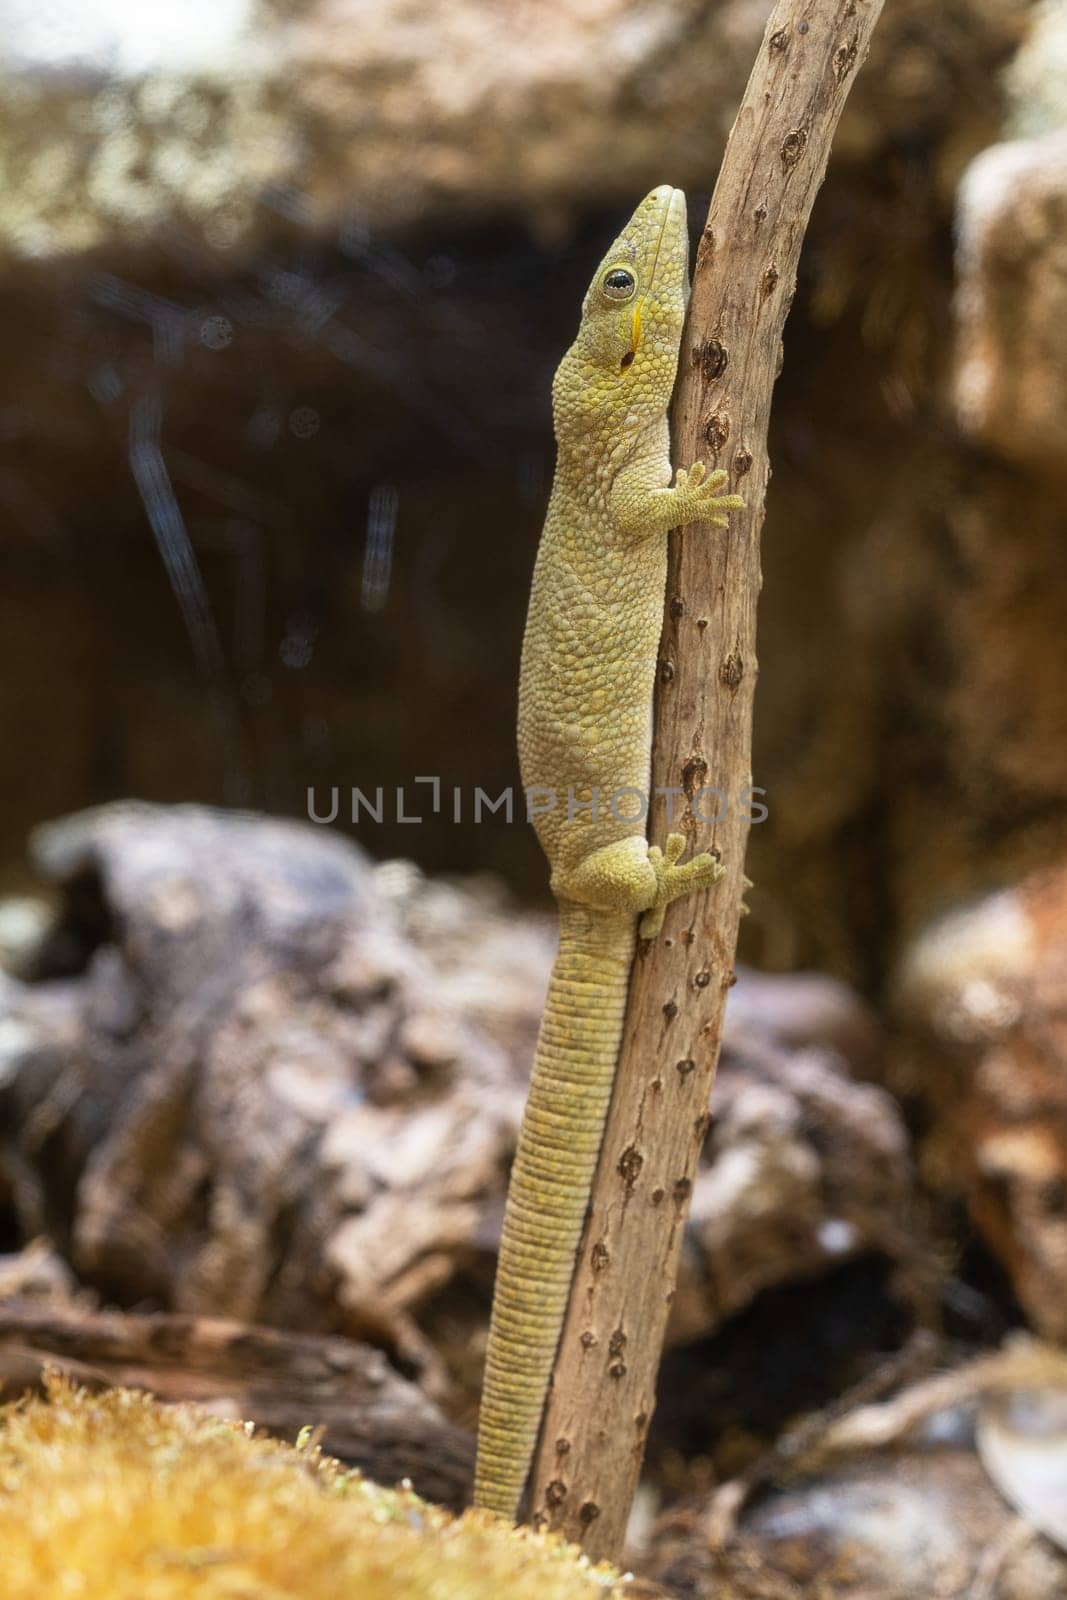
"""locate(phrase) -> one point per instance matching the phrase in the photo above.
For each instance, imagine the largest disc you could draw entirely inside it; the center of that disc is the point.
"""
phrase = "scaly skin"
(585, 727)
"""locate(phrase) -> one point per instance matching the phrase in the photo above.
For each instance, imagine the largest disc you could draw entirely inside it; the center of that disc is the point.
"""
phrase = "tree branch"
(602, 1397)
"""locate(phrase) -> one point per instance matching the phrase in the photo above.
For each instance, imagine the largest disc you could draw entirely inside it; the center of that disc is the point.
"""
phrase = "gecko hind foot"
(673, 881)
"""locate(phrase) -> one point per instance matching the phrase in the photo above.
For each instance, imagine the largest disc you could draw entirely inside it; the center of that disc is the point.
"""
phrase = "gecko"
(586, 688)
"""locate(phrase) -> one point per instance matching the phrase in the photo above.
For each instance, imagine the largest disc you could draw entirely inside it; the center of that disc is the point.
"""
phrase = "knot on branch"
(731, 671)
(712, 357)
(845, 59)
(716, 430)
(793, 146)
(630, 1163)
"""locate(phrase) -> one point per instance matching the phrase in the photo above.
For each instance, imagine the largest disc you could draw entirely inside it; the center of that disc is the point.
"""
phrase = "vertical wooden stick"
(603, 1391)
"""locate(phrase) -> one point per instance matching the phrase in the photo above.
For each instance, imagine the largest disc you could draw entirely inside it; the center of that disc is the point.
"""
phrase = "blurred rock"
(1037, 76)
(944, 1490)
(1022, 1439)
(373, 116)
(802, 1009)
(803, 1169)
(1011, 366)
(39, 1274)
(275, 1084)
(24, 923)
(368, 116)
(985, 1057)
(926, 1522)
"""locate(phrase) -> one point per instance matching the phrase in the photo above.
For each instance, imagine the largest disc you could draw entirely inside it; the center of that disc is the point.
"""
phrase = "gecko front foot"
(672, 880)
(700, 496)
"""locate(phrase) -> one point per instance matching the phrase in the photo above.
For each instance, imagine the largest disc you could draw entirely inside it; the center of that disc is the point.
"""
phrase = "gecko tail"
(559, 1144)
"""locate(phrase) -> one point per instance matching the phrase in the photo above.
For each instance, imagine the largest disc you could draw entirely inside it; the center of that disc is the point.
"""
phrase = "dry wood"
(369, 1415)
(603, 1389)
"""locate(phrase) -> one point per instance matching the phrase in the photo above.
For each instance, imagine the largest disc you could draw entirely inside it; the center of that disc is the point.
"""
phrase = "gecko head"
(622, 365)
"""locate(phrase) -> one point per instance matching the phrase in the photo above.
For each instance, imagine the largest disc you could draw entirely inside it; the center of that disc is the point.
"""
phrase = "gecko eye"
(618, 284)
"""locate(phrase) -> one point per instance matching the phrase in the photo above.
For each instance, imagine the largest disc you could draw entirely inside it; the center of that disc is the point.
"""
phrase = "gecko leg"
(633, 876)
(640, 506)
(674, 880)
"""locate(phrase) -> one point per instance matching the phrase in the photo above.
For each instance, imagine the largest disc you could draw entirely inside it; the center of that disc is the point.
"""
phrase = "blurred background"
(282, 289)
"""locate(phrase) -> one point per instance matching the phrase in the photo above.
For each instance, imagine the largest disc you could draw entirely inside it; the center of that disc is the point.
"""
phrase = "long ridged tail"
(573, 1071)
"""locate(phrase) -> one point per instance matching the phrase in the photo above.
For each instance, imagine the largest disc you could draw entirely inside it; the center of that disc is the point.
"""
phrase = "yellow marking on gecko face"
(635, 338)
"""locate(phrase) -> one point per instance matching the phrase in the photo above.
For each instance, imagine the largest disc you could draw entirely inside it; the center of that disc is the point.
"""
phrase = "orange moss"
(117, 1497)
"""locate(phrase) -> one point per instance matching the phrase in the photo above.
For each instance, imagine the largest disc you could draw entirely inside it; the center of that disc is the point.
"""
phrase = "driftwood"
(259, 1093)
(279, 1087)
(365, 1412)
(598, 1411)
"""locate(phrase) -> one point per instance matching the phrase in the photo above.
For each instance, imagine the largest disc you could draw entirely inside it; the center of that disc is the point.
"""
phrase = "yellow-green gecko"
(585, 737)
